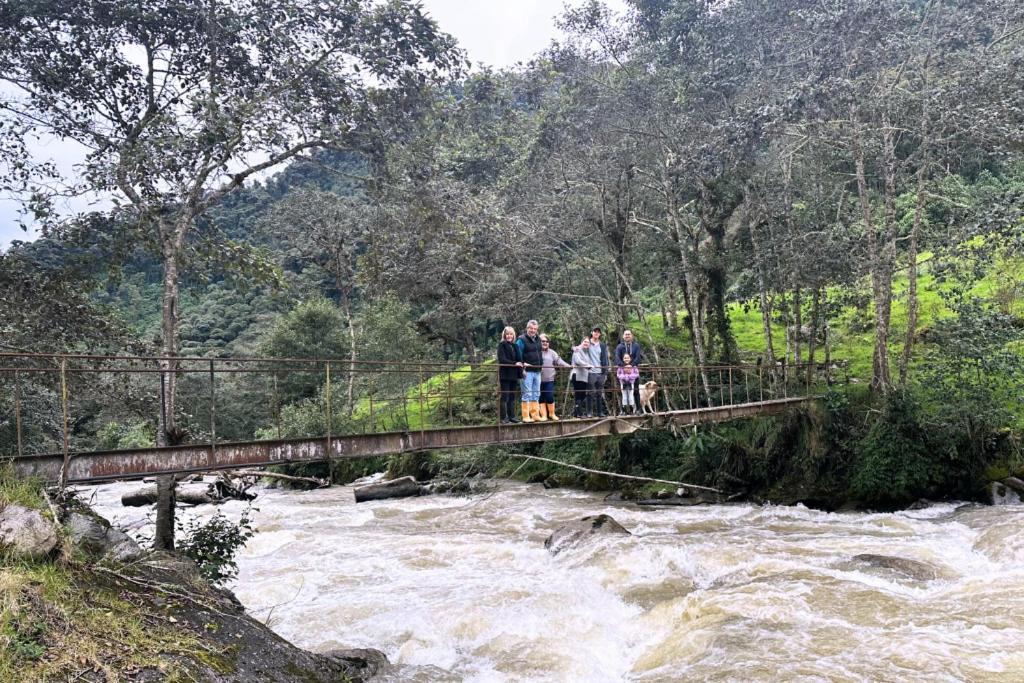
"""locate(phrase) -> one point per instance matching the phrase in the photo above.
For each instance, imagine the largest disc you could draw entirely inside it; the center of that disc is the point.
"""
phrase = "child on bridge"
(627, 374)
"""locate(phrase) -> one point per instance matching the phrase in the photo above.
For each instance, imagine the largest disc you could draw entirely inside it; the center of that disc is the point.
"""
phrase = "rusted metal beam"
(143, 462)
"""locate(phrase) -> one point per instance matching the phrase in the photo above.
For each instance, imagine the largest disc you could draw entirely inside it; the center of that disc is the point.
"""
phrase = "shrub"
(213, 544)
(893, 463)
(115, 435)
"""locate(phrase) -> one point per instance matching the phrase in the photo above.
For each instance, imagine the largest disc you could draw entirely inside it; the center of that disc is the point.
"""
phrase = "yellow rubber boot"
(540, 413)
(551, 413)
(527, 413)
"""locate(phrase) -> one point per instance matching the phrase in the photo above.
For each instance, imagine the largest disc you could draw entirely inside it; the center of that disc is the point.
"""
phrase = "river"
(462, 589)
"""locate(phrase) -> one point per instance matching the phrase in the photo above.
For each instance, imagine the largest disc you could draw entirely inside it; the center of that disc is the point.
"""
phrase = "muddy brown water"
(461, 589)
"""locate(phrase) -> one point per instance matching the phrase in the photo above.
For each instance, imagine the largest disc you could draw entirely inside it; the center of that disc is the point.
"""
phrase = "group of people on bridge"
(527, 365)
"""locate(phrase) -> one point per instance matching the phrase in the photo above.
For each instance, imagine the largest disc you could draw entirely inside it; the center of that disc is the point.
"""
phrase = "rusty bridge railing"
(78, 402)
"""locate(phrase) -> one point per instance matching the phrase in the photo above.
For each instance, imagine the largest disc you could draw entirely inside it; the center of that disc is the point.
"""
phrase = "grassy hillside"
(852, 332)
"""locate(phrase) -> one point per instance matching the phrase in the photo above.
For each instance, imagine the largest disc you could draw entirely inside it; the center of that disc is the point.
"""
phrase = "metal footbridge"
(55, 409)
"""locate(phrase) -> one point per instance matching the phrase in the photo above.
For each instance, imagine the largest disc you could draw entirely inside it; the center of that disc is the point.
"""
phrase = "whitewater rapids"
(462, 589)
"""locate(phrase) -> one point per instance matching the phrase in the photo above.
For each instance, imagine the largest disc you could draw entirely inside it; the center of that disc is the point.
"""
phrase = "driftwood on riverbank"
(192, 494)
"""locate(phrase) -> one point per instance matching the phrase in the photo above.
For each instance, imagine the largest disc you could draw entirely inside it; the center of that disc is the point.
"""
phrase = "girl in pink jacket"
(627, 374)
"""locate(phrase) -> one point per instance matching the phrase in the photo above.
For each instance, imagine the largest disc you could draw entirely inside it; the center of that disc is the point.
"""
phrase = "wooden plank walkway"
(145, 462)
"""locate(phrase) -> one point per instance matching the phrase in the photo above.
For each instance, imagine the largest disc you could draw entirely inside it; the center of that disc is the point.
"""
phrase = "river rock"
(1014, 483)
(26, 532)
(403, 487)
(96, 537)
(366, 663)
(1000, 494)
(919, 571)
(575, 533)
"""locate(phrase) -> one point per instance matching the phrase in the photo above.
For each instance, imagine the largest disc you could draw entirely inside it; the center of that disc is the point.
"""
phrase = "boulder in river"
(1000, 494)
(576, 532)
(367, 663)
(26, 532)
(403, 487)
(914, 569)
(1014, 483)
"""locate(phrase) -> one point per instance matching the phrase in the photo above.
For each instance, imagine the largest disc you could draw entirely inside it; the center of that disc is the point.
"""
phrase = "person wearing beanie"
(599, 374)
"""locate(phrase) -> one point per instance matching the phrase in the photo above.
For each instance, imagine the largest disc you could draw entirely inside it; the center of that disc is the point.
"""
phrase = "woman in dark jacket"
(509, 370)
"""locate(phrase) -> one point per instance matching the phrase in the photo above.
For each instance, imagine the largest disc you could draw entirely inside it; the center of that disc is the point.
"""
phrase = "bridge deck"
(143, 462)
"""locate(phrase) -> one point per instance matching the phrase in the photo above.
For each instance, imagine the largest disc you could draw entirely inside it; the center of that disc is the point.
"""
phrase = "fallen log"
(299, 482)
(191, 494)
(674, 500)
(403, 487)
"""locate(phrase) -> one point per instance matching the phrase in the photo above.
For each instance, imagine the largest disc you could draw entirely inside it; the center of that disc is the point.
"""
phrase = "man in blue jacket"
(628, 345)
(531, 356)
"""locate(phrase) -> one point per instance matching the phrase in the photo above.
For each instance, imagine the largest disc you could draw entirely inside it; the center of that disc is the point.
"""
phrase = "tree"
(179, 103)
(444, 239)
(330, 230)
(312, 330)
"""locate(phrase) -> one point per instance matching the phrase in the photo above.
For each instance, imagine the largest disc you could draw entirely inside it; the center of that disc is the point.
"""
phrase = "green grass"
(852, 330)
(58, 619)
(20, 491)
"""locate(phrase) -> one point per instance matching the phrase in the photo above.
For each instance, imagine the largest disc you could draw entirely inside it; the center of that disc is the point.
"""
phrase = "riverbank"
(87, 604)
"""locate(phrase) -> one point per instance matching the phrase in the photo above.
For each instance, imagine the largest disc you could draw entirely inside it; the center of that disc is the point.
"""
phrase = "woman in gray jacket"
(580, 372)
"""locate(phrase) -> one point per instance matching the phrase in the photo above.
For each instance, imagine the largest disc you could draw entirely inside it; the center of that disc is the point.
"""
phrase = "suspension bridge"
(52, 403)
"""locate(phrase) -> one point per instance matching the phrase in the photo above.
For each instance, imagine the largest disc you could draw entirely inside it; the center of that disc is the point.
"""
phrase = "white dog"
(648, 393)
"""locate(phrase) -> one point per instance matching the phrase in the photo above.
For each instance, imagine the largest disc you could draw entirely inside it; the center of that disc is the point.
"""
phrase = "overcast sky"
(495, 32)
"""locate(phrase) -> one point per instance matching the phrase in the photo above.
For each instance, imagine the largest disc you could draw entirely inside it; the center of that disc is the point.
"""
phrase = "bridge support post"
(64, 422)
(163, 537)
(17, 408)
